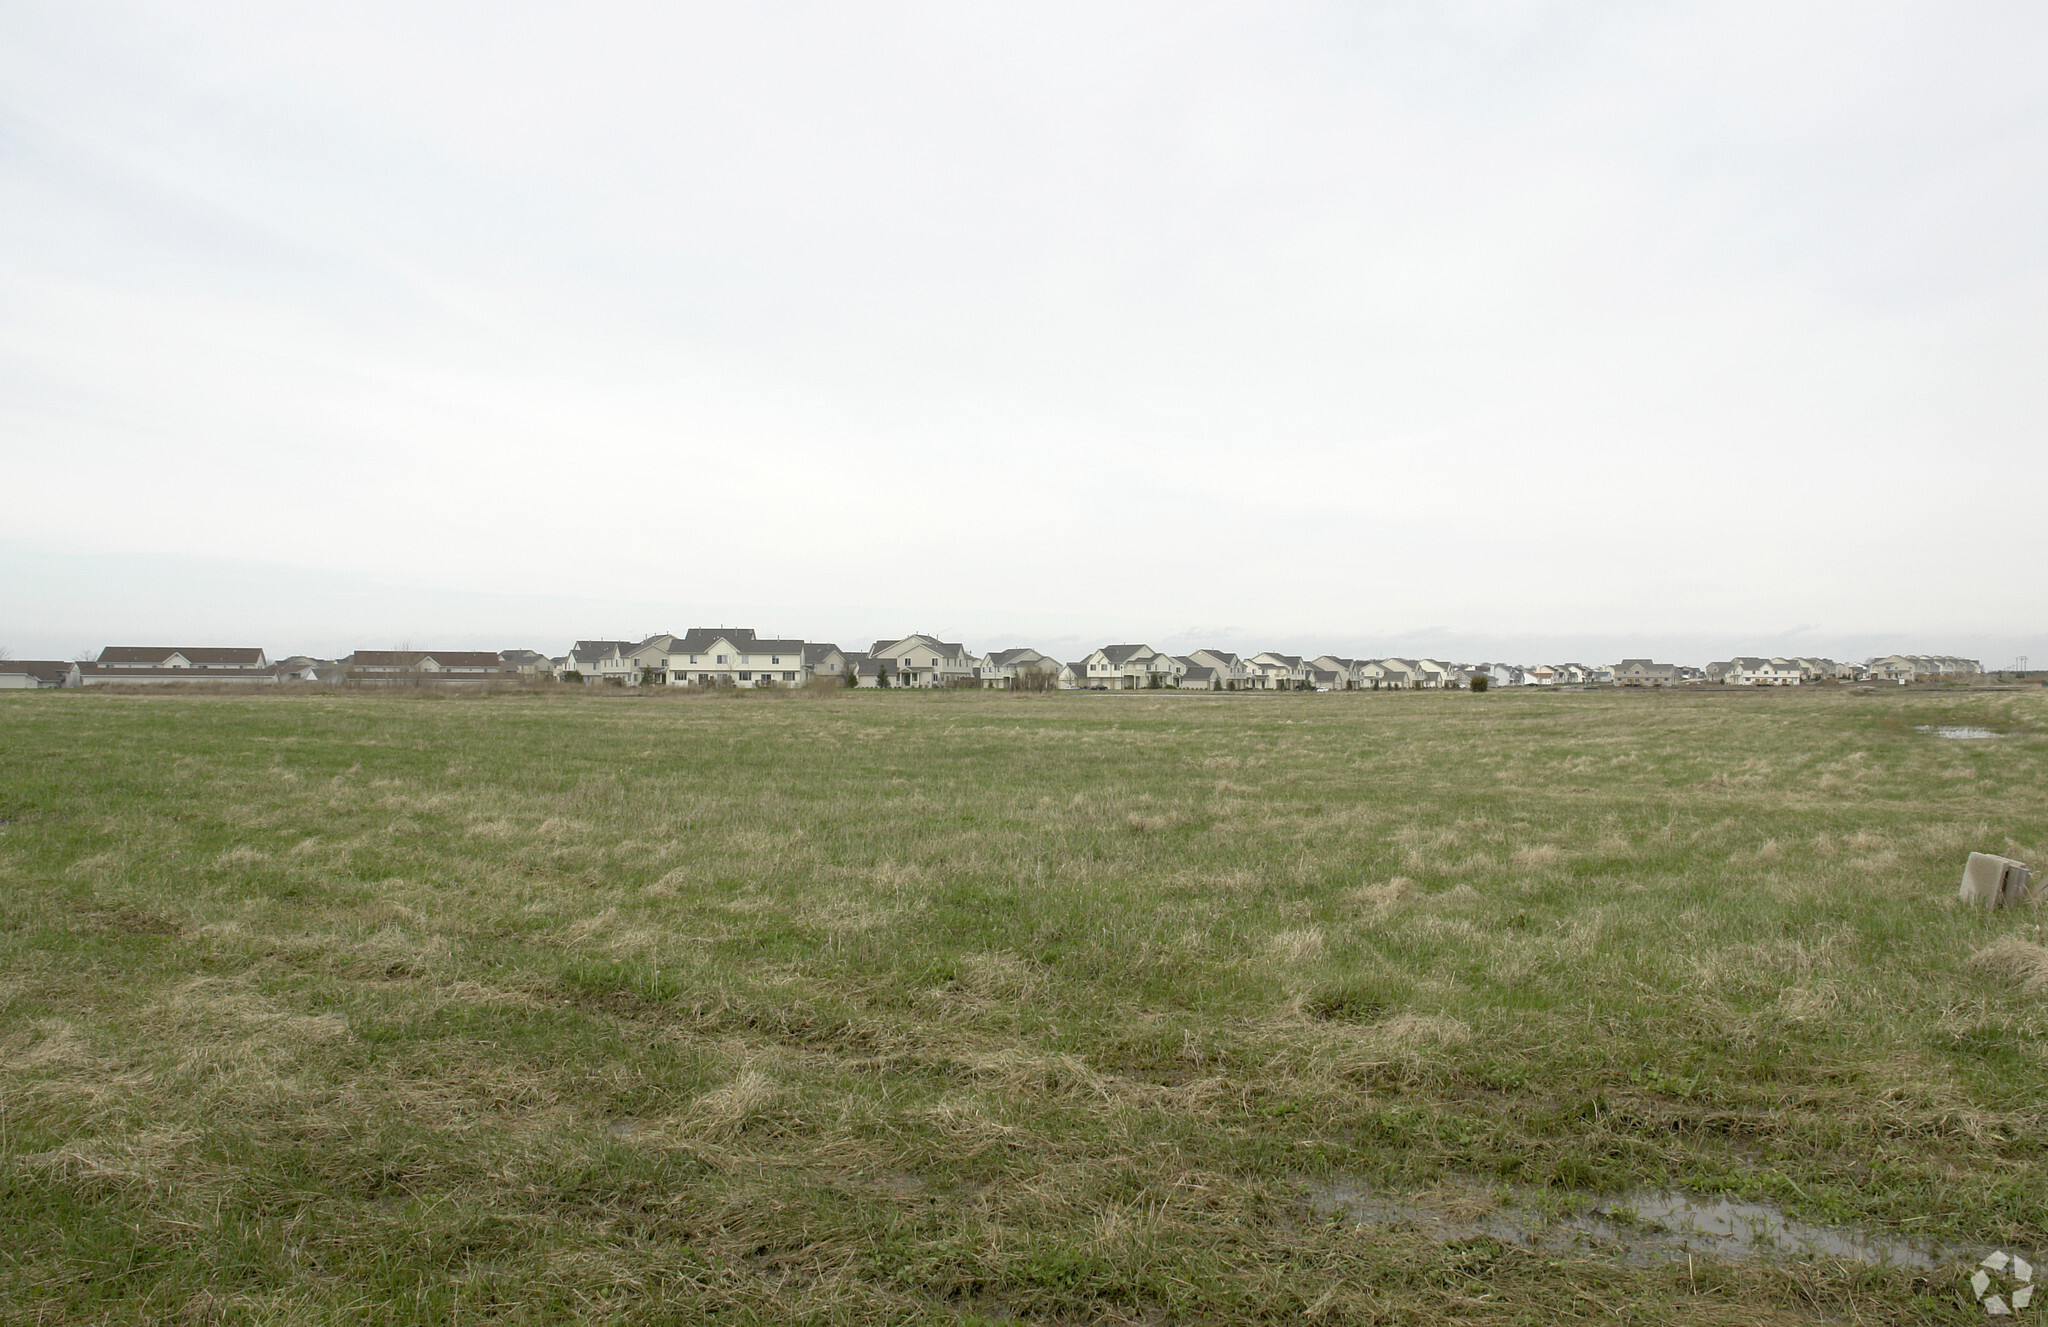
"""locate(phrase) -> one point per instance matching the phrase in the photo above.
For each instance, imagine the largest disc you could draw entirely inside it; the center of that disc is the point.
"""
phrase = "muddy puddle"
(1649, 1226)
(1957, 732)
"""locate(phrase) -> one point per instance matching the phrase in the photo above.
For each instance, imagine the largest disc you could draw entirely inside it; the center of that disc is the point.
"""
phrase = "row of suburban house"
(736, 657)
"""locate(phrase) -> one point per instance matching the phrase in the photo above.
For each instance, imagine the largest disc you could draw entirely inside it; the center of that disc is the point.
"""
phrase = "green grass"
(955, 1008)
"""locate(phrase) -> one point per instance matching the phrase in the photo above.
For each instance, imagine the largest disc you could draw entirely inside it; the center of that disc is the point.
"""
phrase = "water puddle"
(1648, 1226)
(1957, 732)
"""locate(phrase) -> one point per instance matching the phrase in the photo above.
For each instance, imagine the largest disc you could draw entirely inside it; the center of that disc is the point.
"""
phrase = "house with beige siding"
(1916, 667)
(1394, 674)
(1349, 670)
(922, 662)
(1130, 668)
(603, 661)
(1645, 673)
(1272, 671)
(723, 657)
(1001, 670)
(827, 661)
(1750, 671)
(1231, 673)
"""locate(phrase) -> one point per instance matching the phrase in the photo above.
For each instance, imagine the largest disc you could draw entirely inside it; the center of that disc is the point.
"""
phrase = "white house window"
(746, 677)
(775, 658)
(721, 658)
(789, 677)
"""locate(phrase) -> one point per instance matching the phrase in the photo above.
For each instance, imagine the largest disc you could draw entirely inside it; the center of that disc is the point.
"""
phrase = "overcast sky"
(1553, 330)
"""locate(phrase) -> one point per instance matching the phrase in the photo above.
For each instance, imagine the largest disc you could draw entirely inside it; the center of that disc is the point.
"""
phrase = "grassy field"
(956, 1008)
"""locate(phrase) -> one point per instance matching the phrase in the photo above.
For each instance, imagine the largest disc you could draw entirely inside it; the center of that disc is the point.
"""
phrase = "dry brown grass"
(612, 1010)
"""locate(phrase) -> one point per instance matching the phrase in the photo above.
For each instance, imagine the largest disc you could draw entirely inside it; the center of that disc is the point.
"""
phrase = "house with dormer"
(203, 658)
(721, 657)
(1130, 668)
(922, 662)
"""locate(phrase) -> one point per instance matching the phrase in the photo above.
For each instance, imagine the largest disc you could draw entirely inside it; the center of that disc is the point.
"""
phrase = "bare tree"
(1034, 677)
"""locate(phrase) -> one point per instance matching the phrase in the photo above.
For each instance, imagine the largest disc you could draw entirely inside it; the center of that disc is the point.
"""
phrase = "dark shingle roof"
(411, 658)
(47, 671)
(156, 654)
(944, 649)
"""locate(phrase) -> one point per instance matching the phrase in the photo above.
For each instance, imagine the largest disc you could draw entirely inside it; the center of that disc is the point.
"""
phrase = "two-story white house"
(1129, 668)
(1270, 670)
(1750, 671)
(1002, 669)
(726, 657)
(602, 661)
(921, 662)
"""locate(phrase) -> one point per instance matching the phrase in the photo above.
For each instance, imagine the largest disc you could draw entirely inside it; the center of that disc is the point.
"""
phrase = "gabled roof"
(815, 652)
(412, 658)
(202, 655)
(699, 640)
(597, 649)
(1121, 654)
(944, 649)
(50, 672)
(1005, 658)
(1225, 655)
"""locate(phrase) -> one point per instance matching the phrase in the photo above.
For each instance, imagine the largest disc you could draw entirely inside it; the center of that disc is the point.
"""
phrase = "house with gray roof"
(1269, 670)
(418, 667)
(1129, 668)
(1229, 668)
(601, 661)
(923, 662)
(1645, 673)
(35, 674)
(722, 657)
(1006, 669)
(822, 659)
